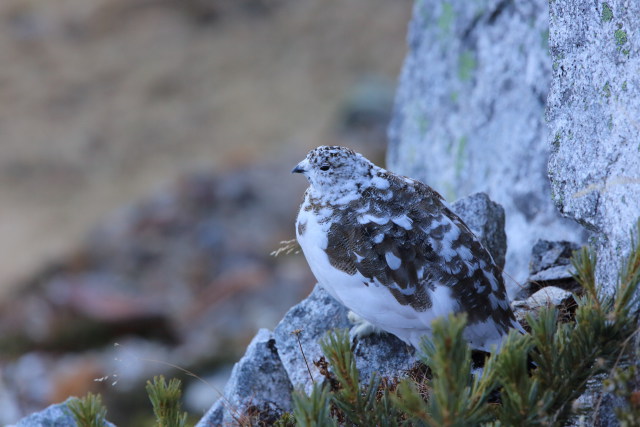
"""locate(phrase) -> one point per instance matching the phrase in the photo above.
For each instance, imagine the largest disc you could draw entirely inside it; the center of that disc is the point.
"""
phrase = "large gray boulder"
(298, 334)
(469, 113)
(594, 118)
(486, 219)
(383, 355)
(258, 388)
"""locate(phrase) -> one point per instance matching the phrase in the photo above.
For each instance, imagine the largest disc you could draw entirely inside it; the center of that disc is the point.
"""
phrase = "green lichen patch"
(466, 65)
(556, 140)
(450, 191)
(624, 86)
(606, 90)
(449, 146)
(607, 13)
(544, 39)
(423, 125)
(558, 199)
(424, 11)
(446, 18)
(620, 36)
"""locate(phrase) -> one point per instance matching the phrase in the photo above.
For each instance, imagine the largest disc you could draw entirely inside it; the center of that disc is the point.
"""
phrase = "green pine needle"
(165, 399)
(313, 410)
(457, 398)
(88, 411)
(566, 356)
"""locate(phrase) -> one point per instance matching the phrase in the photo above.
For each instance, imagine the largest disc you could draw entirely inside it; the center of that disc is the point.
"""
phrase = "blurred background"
(145, 157)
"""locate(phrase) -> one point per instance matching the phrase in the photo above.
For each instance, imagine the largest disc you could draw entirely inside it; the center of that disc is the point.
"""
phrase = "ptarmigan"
(390, 249)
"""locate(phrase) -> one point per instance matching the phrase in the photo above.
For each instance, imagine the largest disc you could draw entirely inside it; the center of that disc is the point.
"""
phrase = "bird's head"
(334, 168)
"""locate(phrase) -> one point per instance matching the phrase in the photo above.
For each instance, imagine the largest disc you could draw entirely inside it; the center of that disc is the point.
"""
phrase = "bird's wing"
(407, 240)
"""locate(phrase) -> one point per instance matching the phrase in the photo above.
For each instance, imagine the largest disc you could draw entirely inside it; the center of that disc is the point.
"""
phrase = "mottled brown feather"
(348, 240)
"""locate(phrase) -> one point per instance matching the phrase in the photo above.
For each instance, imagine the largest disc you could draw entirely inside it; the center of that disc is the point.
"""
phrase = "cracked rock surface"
(258, 384)
(302, 326)
(593, 114)
(594, 118)
(486, 219)
(550, 266)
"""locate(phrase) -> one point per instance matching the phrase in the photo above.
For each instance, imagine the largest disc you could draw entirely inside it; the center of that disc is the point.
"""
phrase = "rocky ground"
(144, 167)
(272, 365)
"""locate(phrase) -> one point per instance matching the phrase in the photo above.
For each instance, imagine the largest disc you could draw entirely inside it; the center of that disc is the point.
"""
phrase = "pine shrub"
(537, 377)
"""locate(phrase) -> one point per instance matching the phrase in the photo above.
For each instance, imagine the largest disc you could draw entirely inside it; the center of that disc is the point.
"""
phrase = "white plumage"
(389, 249)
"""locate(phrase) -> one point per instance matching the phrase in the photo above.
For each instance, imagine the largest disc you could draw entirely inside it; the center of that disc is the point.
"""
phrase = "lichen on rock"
(594, 109)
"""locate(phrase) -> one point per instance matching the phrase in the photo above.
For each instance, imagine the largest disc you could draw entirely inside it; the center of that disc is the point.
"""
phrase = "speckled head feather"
(330, 168)
(334, 172)
(390, 249)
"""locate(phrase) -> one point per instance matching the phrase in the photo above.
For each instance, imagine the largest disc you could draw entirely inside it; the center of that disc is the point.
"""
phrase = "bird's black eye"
(325, 167)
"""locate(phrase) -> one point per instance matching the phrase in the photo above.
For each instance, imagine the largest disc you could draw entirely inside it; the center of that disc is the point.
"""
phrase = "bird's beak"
(301, 167)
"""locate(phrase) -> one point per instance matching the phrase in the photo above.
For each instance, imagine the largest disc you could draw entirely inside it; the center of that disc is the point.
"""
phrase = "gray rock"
(57, 415)
(594, 119)
(560, 276)
(385, 355)
(550, 296)
(552, 274)
(596, 397)
(550, 266)
(546, 254)
(593, 114)
(215, 414)
(486, 219)
(308, 322)
(469, 113)
(258, 386)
